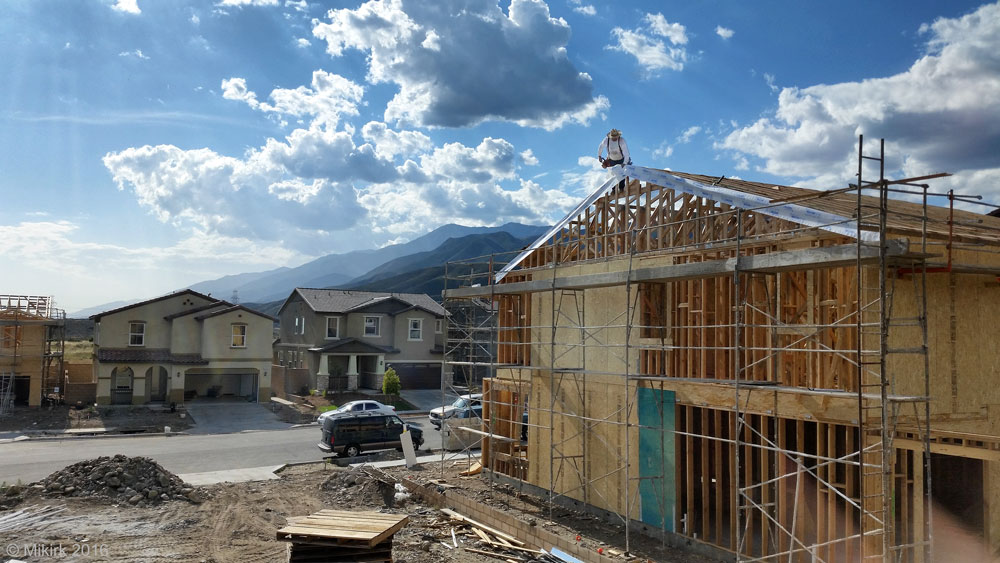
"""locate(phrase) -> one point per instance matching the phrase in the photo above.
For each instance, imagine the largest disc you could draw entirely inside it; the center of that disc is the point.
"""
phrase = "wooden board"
(343, 527)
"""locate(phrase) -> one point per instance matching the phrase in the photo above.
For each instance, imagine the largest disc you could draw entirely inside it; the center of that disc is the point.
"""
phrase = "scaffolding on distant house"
(765, 348)
(32, 343)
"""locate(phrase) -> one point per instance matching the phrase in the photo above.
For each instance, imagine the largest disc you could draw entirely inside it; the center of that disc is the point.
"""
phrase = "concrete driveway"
(220, 416)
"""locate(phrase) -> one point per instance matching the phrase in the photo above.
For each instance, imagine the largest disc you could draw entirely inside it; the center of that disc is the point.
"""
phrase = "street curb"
(86, 436)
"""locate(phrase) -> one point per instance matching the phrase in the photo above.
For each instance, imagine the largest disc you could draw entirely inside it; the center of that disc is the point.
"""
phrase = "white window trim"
(232, 335)
(378, 327)
(328, 337)
(438, 326)
(409, 329)
(142, 334)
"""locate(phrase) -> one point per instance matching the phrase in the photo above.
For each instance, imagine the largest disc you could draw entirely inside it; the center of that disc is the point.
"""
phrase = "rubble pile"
(134, 480)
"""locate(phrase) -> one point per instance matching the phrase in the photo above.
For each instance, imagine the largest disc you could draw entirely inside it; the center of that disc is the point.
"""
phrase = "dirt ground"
(238, 522)
(64, 417)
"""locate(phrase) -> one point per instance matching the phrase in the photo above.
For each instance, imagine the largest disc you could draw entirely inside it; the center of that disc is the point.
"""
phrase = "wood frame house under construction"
(32, 337)
(768, 372)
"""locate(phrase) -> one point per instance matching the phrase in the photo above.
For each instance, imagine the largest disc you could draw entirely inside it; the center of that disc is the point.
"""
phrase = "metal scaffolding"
(32, 340)
(726, 307)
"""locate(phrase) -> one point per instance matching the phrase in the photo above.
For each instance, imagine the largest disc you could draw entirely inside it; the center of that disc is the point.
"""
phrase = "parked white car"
(363, 405)
(463, 404)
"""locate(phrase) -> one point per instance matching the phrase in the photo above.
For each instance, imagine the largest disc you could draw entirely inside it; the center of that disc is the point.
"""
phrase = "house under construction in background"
(32, 338)
(768, 372)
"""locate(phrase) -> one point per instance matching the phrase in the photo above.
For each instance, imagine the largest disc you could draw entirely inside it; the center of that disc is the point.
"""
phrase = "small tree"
(390, 382)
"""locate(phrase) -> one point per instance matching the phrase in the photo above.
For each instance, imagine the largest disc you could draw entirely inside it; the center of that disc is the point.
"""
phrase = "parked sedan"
(364, 405)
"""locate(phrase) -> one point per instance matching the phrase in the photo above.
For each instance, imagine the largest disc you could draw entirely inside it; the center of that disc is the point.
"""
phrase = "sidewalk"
(427, 399)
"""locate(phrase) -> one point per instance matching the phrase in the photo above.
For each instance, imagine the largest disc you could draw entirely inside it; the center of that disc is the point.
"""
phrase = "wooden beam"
(774, 262)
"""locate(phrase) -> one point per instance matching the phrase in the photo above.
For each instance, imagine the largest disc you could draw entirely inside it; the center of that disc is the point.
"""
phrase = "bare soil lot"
(64, 417)
(238, 522)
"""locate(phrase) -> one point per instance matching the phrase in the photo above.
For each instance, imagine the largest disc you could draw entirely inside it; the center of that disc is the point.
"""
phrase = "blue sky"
(147, 145)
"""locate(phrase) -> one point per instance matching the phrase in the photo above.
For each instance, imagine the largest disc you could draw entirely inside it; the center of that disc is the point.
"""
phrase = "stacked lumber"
(339, 535)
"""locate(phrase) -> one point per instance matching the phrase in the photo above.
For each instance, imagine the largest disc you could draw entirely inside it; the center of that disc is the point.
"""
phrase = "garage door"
(418, 376)
(239, 385)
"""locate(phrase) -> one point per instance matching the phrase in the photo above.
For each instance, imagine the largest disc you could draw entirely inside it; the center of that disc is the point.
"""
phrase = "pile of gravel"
(135, 480)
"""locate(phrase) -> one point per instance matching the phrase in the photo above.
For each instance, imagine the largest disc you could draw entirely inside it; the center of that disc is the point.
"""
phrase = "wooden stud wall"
(798, 328)
(799, 499)
(504, 401)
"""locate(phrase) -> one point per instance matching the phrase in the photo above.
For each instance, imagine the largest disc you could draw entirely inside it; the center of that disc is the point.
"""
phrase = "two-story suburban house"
(182, 346)
(358, 334)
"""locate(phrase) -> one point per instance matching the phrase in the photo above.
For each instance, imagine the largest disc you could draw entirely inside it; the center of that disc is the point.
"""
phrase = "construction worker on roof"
(617, 149)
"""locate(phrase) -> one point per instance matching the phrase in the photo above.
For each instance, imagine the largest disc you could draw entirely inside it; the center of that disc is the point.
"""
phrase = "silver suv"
(465, 403)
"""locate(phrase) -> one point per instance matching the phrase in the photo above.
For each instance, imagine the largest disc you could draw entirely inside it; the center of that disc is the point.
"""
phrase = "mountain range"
(416, 266)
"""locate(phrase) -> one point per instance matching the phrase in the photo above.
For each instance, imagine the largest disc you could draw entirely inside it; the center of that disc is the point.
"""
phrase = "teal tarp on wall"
(657, 489)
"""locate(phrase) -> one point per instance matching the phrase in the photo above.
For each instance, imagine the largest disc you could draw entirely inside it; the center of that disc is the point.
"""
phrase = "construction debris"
(476, 469)
(134, 480)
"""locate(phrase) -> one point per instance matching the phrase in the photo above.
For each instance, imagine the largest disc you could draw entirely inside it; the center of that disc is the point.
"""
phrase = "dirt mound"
(135, 480)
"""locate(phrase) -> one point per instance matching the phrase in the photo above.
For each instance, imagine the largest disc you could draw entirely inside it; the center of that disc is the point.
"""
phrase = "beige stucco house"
(181, 346)
(356, 335)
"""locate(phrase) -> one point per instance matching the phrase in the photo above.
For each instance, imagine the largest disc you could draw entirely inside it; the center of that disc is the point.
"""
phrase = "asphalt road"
(30, 460)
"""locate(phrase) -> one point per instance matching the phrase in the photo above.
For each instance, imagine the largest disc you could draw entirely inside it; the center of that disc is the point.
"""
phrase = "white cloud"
(529, 158)
(769, 78)
(664, 150)
(652, 53)
(425, 49)
(688, 134)
(659, 25)
(724, 32)
(236, 89)
(305, 191)
(153, 269)
(329, 96)
(299, 6)
(302, 42)
(240, 3)
(127, 6)
(941, 114)
(586, 10)
(195, 19)
(389, 143)
(136, 53)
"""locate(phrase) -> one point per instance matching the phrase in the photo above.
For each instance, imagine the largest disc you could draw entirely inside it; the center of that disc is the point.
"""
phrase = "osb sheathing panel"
(581, 453)
(964, 359)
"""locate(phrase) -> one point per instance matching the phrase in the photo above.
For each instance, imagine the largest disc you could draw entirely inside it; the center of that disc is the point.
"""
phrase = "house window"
(136, 334)
(239, 336)
(438, 326)
(416, 329)
(302, 325)
(373, 326)
(281, 358)
(332, 327)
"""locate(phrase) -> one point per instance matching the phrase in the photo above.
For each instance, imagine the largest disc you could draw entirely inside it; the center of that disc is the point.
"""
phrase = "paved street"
(32, 460)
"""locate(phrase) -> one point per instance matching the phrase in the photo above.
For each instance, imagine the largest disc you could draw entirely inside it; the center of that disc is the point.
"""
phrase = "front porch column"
(323, 375)
(379, 371)
(352, 372)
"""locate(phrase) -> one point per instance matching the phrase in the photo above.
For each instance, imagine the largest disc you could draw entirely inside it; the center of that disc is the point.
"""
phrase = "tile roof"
(147, 355)
(342, 301)
(355, 346)
(98, 316)
(180, 314)
(232, 308)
